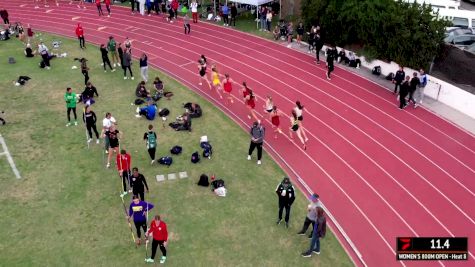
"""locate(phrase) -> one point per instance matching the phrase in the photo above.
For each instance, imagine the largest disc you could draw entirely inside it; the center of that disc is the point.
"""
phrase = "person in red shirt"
(108, 7)
(249, 100)
(159, 231)
(99, 7)
(123, 166)
(175, 8)
(80, 35)
(228, 87)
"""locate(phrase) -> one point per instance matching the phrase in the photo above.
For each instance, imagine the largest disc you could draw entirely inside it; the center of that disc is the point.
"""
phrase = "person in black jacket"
(331, 56)
(414, 83)
(286, 193)
(105, 58)
(403, 91)
(89, 118)
(233, 14)
(137, 182)
(87, 96)
(318, 44)
(398, 78)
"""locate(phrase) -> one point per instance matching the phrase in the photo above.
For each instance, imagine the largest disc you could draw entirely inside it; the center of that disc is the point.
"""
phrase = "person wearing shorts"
(216, 81)
(275, 120)
(295, 127)
(228, 87)
(250, 101)
(107, 122)
(299, 110)
(269, 106)
(114, 136)
(202, 70)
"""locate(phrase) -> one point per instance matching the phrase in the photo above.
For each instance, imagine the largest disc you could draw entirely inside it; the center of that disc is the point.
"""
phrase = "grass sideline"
(65, 211)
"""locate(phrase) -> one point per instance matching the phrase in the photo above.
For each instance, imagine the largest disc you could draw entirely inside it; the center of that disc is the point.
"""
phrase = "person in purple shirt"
(138, 210)
(225, 10)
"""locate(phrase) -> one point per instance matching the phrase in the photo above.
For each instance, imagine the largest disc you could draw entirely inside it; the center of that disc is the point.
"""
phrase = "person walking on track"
(286, 194)
(138, 184)
(158, 229)
(123, 166)
(138, 211)
(89, 118)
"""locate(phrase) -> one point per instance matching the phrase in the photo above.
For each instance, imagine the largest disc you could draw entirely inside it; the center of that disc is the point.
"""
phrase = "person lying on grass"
(149, 111)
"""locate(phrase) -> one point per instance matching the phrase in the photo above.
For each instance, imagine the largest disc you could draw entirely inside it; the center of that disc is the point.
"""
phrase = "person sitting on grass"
(141, 91)
(193, 109)
(353, 61)
(184, 122)
(28, 51)
(342, 57)
(159, 86)
(149, 111)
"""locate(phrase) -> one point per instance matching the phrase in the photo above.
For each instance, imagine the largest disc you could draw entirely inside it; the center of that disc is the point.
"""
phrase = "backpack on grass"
(166, 161)
(203, 180)
(217, 183)
(176, 150)
(376, 70)
(195, 157)
(390, 76)
(164, 112)
(207, 149)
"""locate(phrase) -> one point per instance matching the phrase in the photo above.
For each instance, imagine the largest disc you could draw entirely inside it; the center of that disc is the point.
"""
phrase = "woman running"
(269, 106)
(249, 100)
(99, 7)
(299, 110)
(89, 118)
(202, 70)
(108, 7)
(215, 80)
(228, 87)
(294, 122)
(114, 137)
(275, 120)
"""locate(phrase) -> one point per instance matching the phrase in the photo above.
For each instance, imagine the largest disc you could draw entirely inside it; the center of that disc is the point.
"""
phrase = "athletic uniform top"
(202, 69)
(123, 162)
(158, 230)
(275, 119)
(215, 77)
(111, 45)
(227, 86)
(107, 123)
(128, 44)
(138, 183)
(107, 2)
(29, 32)
(89, 117)
(245, 92)
(98, 2)
(194, 7)
(151, 138)
(70, 99)
(251, 101)
(269, 106)
(298, 112)
(143, 62)
(137, 210)
(113, 138)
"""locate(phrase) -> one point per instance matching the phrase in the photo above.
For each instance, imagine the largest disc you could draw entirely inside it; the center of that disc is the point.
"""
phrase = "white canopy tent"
(256, 3)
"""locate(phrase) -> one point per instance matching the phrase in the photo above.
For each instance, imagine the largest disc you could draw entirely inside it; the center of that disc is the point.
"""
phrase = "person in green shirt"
(70, 99)
(111, 46)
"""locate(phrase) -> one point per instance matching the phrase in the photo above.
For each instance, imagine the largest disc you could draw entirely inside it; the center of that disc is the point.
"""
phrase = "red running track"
(381, 172)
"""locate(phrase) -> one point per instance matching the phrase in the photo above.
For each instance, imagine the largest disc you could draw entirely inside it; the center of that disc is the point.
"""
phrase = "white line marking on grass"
(9, 158)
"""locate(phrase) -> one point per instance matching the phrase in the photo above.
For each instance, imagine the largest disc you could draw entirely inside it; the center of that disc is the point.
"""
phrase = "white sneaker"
(89, 140)
(132, 78)
(125, 77)
(163, 259)
(105, 70)
(102, 64)
(259, 162)
(75, 123)
(153, 161)
(113, 70)
(137, 110)
(118, 64)
(107, 151)
(108, 165)
(68, 124)
(149, 260)
(97, 141)
(289, 46)
(137, 115)
(113, 65)
(248, 157)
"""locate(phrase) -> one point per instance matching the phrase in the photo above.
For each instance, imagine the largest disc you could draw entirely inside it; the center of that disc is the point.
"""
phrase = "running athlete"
(202, 70)
(269, 106)
(275, 120)
(299, 110)
(89, 118)
(138, 211)
(294, 127)
(249, 100)
(108, 7)
(228, 87)
(99, 7)
(215, 80)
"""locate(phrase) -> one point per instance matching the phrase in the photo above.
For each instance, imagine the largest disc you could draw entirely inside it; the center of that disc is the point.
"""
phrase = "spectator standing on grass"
(319, 231)
(233, 14)
(4, 15)
(262, 18)
(403, 91)
(422, 85)
(286, 194)
(414, 83)
(150, 138)
(120, 52)
(158, 229)
(141, 4)
(107, 122)
(89, 118)
(80, 35)
(43, 51)
(138, 184)
(311, 214)
(225, 11)
(311, 39)
(257, 140)
(138, 210)
(105, 58)
(84, 70)
(29, 33)
(290, 34)
(123, 162)
(126, 63)
(143, 62)
(134, 4)
(398, 78)
(112, 47)
(318, 44)
(269, 20)
(71, 100)
(194, 11)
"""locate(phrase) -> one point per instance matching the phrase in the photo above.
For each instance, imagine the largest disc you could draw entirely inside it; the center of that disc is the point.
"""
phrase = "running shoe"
(163, 259)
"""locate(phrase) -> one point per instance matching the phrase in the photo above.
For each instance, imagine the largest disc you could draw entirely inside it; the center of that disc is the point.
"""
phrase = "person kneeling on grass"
(141, 91)
(158, 229)
(149, 111)
(138, 211)
(184, 122)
